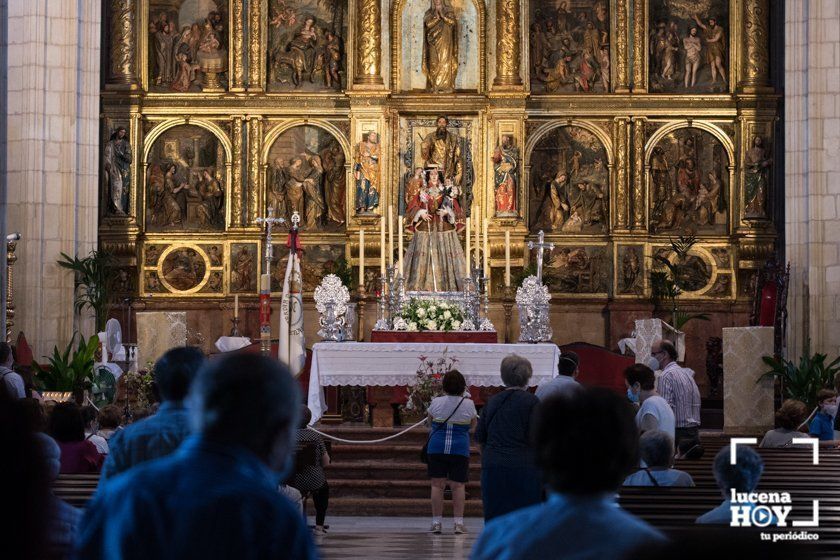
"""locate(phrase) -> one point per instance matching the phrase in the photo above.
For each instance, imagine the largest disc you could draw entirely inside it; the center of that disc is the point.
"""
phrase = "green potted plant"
(802, 381)
(94, 283)
(665, 282)
(70, 370)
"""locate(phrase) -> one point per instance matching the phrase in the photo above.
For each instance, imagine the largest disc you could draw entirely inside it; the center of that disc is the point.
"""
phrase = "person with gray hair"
(677, 386)
(217, 494)
(63, 519)
(743, 476)
(510, 479)
(657, 451)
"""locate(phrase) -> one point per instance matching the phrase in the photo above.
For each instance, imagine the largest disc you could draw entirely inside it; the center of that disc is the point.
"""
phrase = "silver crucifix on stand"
(269, 224)
(540, 246)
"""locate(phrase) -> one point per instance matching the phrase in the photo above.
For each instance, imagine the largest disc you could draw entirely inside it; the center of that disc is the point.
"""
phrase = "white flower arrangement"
(430, 315)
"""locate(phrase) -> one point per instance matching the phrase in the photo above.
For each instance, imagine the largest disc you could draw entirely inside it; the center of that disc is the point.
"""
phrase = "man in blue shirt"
(216, 496)
(162, 433)
(586, 443)
(822, 426)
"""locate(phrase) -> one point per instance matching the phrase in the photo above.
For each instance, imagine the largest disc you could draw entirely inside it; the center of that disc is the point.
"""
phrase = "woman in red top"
(67, 428)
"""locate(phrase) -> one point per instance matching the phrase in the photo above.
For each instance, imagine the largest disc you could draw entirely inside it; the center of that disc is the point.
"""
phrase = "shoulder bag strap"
(651, 477)
(433, 430)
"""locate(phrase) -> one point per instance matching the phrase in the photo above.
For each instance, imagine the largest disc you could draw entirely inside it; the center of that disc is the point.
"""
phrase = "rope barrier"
(380, 440)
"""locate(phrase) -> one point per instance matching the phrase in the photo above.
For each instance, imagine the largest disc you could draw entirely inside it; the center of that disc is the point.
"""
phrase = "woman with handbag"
(451, 416)
(510, 479)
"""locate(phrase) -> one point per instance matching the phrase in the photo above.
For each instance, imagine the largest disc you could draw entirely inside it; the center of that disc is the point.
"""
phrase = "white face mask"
(830, 409)
(653, 364)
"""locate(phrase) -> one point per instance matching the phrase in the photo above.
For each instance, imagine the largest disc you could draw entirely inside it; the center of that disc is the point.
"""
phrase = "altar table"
(392, 364)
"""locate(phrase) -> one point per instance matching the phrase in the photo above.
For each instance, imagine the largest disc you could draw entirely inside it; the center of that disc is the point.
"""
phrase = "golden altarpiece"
(612, 125)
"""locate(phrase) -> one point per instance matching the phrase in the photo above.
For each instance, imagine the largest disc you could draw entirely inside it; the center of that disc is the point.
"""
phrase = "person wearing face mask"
(654, 412)
(217, 494)
(822, 426)
(678, 388)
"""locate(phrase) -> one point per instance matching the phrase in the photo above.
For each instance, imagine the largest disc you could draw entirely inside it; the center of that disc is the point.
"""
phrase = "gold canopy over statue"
(440, 46)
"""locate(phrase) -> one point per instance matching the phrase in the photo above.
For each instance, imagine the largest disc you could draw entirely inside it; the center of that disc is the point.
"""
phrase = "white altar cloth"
(396, 364)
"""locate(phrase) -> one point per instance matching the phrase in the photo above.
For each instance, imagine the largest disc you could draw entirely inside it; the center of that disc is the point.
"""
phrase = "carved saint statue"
(756, 180)
(435, 259)
(117, 159)
(366, 173)
(440, 46)
(506, 167)
(441, 149)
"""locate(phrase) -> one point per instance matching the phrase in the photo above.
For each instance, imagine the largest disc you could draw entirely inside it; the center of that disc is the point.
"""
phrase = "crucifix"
(265, 284)
(540, 246)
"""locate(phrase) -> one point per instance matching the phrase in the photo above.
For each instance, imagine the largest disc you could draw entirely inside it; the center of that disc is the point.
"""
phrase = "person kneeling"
(658, 454)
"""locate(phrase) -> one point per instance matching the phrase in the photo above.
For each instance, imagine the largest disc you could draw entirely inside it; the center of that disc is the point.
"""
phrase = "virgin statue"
(434, 260)
(440, 46)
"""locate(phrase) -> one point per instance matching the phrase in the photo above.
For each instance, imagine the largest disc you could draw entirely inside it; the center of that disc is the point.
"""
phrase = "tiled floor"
(367, 538)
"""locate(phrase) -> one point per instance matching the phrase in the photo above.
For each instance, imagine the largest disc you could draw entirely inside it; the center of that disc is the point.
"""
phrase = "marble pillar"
(747, 405)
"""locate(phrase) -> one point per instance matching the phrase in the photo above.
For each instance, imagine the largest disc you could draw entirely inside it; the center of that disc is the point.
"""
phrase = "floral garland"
(429, 315)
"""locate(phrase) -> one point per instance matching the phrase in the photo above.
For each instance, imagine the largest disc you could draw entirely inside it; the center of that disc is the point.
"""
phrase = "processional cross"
(265, 284)
(540, 246)
(269, 224)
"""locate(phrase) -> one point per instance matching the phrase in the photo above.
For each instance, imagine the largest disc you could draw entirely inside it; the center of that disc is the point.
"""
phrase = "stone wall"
(52, 133)
(812, 178)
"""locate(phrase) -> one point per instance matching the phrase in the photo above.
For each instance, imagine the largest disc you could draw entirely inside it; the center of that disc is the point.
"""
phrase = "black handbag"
(424, 451)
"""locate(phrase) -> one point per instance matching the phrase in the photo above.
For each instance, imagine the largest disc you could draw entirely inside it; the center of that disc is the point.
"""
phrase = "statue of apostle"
(506, 166)
(366, 173)
(441, 149)
(117, 160)
(440, 46)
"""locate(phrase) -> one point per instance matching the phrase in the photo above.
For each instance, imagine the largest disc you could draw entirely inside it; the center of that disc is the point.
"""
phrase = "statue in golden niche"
(440, 46)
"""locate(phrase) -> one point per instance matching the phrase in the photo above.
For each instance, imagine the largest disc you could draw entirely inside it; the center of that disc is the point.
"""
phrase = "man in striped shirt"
(678, 388)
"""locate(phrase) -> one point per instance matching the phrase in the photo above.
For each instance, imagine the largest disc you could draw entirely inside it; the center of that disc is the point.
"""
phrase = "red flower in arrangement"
(438, 376)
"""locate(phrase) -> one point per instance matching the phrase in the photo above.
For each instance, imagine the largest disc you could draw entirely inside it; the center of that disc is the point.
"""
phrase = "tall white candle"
(477, 238)
(382, 245)
(236, 306)
(486, 250)
(390, 236)
(467, 249)
(507, 257)
(361, 257)
(400, 226)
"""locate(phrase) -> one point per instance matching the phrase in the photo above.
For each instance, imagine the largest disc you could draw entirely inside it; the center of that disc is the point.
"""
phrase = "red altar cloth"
(399, 395)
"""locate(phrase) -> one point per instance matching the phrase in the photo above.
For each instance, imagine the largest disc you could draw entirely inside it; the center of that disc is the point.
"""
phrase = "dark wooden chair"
(770, 301)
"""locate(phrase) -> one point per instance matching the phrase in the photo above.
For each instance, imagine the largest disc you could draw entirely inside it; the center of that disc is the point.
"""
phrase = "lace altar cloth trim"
(396, 364)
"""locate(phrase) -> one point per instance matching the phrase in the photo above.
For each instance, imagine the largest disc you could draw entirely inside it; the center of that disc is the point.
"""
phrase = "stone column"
(639, 199)
(639, 46)
(237, 50)
(368, 43)
(747, 405)
(123, 47)
(508, 44)
(254, 170)
(621, 31)
(255, 47)
(755, 58)
(52, 159)
(812, 175)
(236, 174)
(621, 199)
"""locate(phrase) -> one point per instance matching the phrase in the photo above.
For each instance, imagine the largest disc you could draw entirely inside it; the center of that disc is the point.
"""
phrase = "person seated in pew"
(216, 496)
(743, 477)
(90, 417)
(568, 369)
(62, 518)
(311, 480)
(822, 426)
(657, 450)
(654, 412)
(586, 443)
(66, 427)
(790, 417)
(690, 450)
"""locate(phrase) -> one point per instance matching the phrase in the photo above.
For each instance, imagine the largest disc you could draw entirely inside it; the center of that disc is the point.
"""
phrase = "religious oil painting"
(570, 182)
(317, 260)
(183, 269)
(689, 183)
(694, 269)
(185, 181)
(215, 283)
(577, 270)
(688, 46)
(306, 174)
(188, 45)
(440, 46)
(244, 258)
(630, 266)
(570, 46)
(306, 45)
